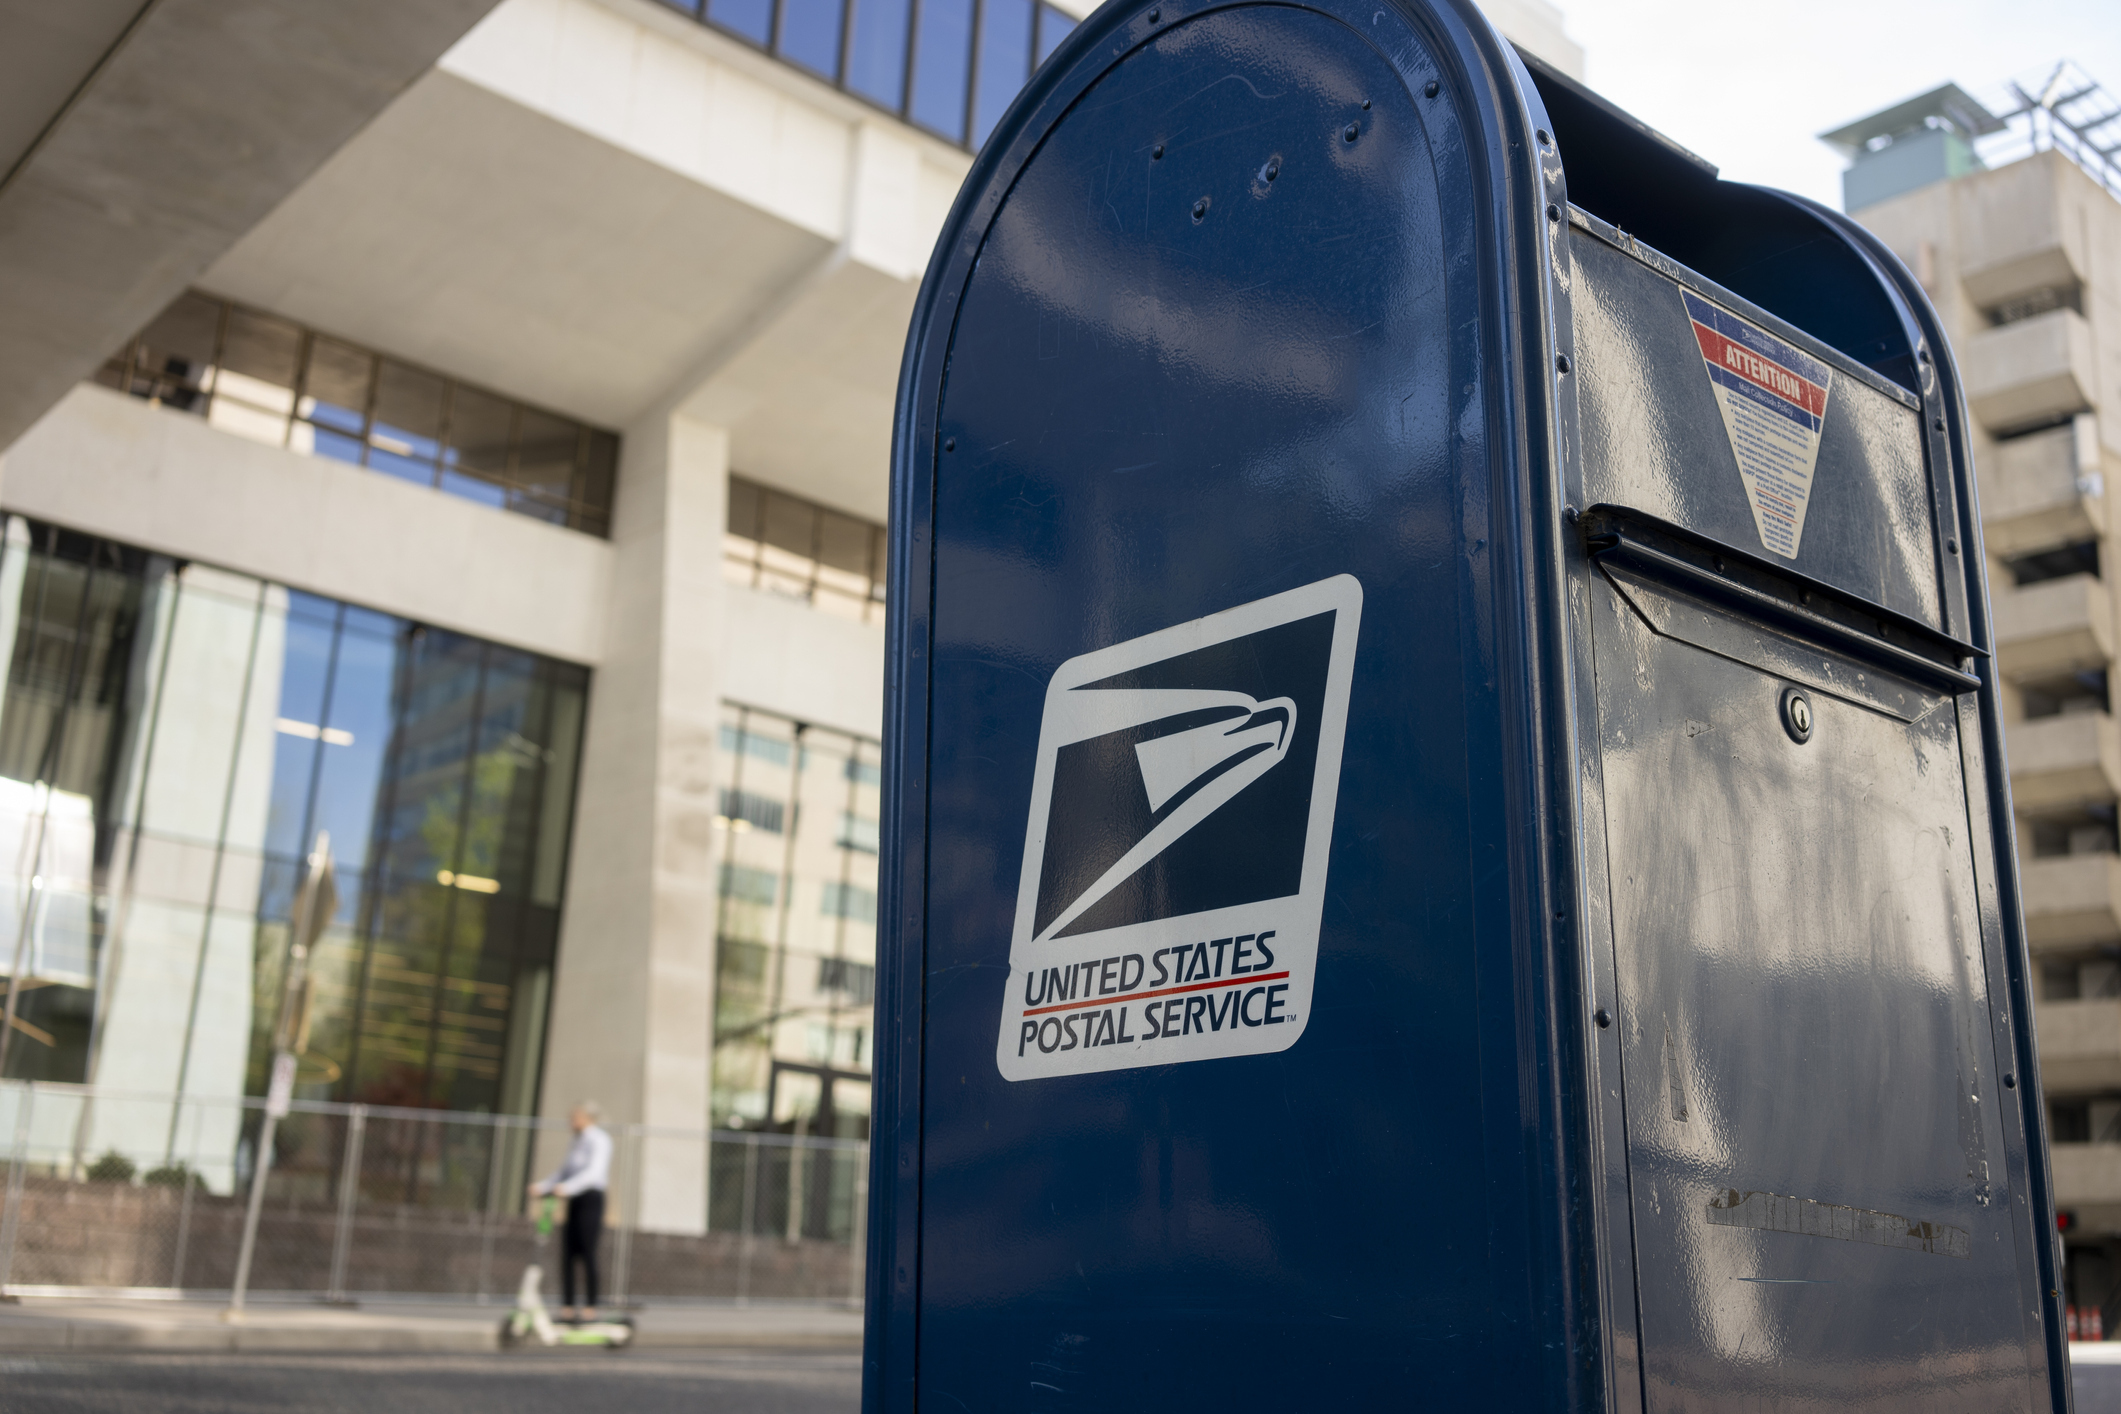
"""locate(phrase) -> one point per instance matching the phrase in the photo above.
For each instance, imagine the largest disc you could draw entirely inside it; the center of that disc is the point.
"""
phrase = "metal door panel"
(1654, 442)
(1814, 1146)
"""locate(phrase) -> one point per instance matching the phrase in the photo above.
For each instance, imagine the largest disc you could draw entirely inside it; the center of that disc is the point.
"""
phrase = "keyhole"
(1797, 716)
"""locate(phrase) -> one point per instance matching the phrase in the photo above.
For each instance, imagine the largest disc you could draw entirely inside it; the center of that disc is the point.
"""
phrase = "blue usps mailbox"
(1448, 842)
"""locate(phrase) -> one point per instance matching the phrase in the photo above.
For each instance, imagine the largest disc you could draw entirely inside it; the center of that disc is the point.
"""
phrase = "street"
(546, 1382)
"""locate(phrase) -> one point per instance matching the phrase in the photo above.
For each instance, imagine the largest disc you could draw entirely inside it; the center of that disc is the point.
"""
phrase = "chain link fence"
(144, 1194)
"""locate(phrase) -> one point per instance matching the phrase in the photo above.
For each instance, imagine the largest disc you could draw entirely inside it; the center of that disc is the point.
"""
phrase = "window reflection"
(172, 739)
(795, 928)
(273, 381)
(805, 551)
(1005, 42)
(949, 81)
(942, 67)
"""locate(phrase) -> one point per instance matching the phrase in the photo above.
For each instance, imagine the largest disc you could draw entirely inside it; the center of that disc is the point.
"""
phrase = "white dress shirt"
(587, 1165)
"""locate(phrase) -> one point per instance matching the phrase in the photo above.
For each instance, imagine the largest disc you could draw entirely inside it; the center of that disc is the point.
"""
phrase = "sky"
(1749, 86)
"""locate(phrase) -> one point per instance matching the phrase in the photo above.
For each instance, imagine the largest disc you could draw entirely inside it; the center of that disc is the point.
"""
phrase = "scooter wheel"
(509, 1338)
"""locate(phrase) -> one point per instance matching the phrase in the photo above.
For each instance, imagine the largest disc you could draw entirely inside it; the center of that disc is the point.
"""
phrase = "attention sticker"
(1773, 397)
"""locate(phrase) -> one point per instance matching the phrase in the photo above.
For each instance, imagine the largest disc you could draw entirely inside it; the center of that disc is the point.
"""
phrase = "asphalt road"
(541, 1382)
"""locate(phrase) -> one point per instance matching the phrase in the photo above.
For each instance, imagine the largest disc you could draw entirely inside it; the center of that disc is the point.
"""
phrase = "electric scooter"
(530, 1320)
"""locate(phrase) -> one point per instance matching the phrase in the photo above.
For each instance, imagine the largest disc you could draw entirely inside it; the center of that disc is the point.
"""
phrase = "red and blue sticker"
(1773, 397)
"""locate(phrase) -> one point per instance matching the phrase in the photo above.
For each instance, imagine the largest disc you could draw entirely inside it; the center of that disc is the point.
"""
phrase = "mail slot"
(1446, 839)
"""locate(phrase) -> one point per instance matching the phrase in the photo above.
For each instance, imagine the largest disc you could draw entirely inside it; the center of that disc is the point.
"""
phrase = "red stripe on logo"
(1159, 992)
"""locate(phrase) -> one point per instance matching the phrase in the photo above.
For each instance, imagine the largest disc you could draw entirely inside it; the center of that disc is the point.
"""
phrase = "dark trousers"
(578, 1243)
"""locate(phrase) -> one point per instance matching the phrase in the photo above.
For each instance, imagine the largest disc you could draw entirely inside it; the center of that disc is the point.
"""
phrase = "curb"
(457, 1337)
(69, 1335)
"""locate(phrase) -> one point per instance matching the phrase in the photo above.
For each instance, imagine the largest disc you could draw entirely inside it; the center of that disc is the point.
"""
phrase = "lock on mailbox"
(1447, 836)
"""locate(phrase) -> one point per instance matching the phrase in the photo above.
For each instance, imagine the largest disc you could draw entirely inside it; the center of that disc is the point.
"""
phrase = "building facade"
(2010, 216)
(493, 481)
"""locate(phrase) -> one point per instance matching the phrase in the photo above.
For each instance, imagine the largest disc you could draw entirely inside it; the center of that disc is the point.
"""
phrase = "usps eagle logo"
(1175, 853)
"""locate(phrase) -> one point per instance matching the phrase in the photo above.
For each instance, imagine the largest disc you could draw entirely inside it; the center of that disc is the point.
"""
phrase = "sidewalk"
(97, 1323)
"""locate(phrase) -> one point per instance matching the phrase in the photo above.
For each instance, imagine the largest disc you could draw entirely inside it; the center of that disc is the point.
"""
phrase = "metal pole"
(751, 1190)
(349, 1194)
(797, 1153)
(858, 1242)
(496, 1130)
(191, 1185)
(629, 1220)
(313, 909)
(260, 1162)
(18, 1160)
(24, 923)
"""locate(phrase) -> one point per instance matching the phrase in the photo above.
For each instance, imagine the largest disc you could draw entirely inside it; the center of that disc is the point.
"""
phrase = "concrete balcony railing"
(2036, 492)
(2085, 1175)
(2017, 232)
(2068, 760)
(2072, 902)
(2030, 371)
(2054, 627)
(2080, 1045)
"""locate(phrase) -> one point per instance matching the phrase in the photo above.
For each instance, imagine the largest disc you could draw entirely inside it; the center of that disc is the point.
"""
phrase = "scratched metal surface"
(1814, 1112)
(1155, 418)
(1654, 441)
(1123, 410)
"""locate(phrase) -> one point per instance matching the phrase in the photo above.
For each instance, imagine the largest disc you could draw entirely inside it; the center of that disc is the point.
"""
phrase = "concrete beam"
(111, 465)
(197, 122)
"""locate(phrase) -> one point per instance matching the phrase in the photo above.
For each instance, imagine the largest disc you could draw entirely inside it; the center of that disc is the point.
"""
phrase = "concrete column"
(633, 997)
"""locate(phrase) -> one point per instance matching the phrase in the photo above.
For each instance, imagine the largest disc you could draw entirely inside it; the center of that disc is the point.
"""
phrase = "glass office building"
(175, 738)
(796, 927)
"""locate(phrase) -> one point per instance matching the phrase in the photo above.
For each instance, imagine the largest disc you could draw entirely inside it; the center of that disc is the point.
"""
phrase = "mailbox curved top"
(1359, 908)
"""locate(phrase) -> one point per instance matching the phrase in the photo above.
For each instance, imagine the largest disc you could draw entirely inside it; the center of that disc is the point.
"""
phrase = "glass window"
(597, 485)
(179, 737)
(796, 935)
(334, 402)
(774, 751)
(740, 542)
(856, 832)
(844, 571)
(1004, 61)
(759, 812)
(1053, 27)
(481, 428)
(405, 436)
(746, 884)
(856, 979)
(254, 389)
(172, 361)
(876, 59)
(794, 547)
(810, 34)
(871, 61)
(306, 651)
(752, 19)
(356, 406)
(788, 553)
(849, 901)
(942, 63)
(547, 451)
(354, 736)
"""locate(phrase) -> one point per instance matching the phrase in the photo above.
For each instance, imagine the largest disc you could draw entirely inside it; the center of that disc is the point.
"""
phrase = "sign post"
(315, 903)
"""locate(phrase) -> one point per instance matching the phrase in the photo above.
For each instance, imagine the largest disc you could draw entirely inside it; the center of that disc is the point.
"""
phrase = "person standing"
(581, 1179)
